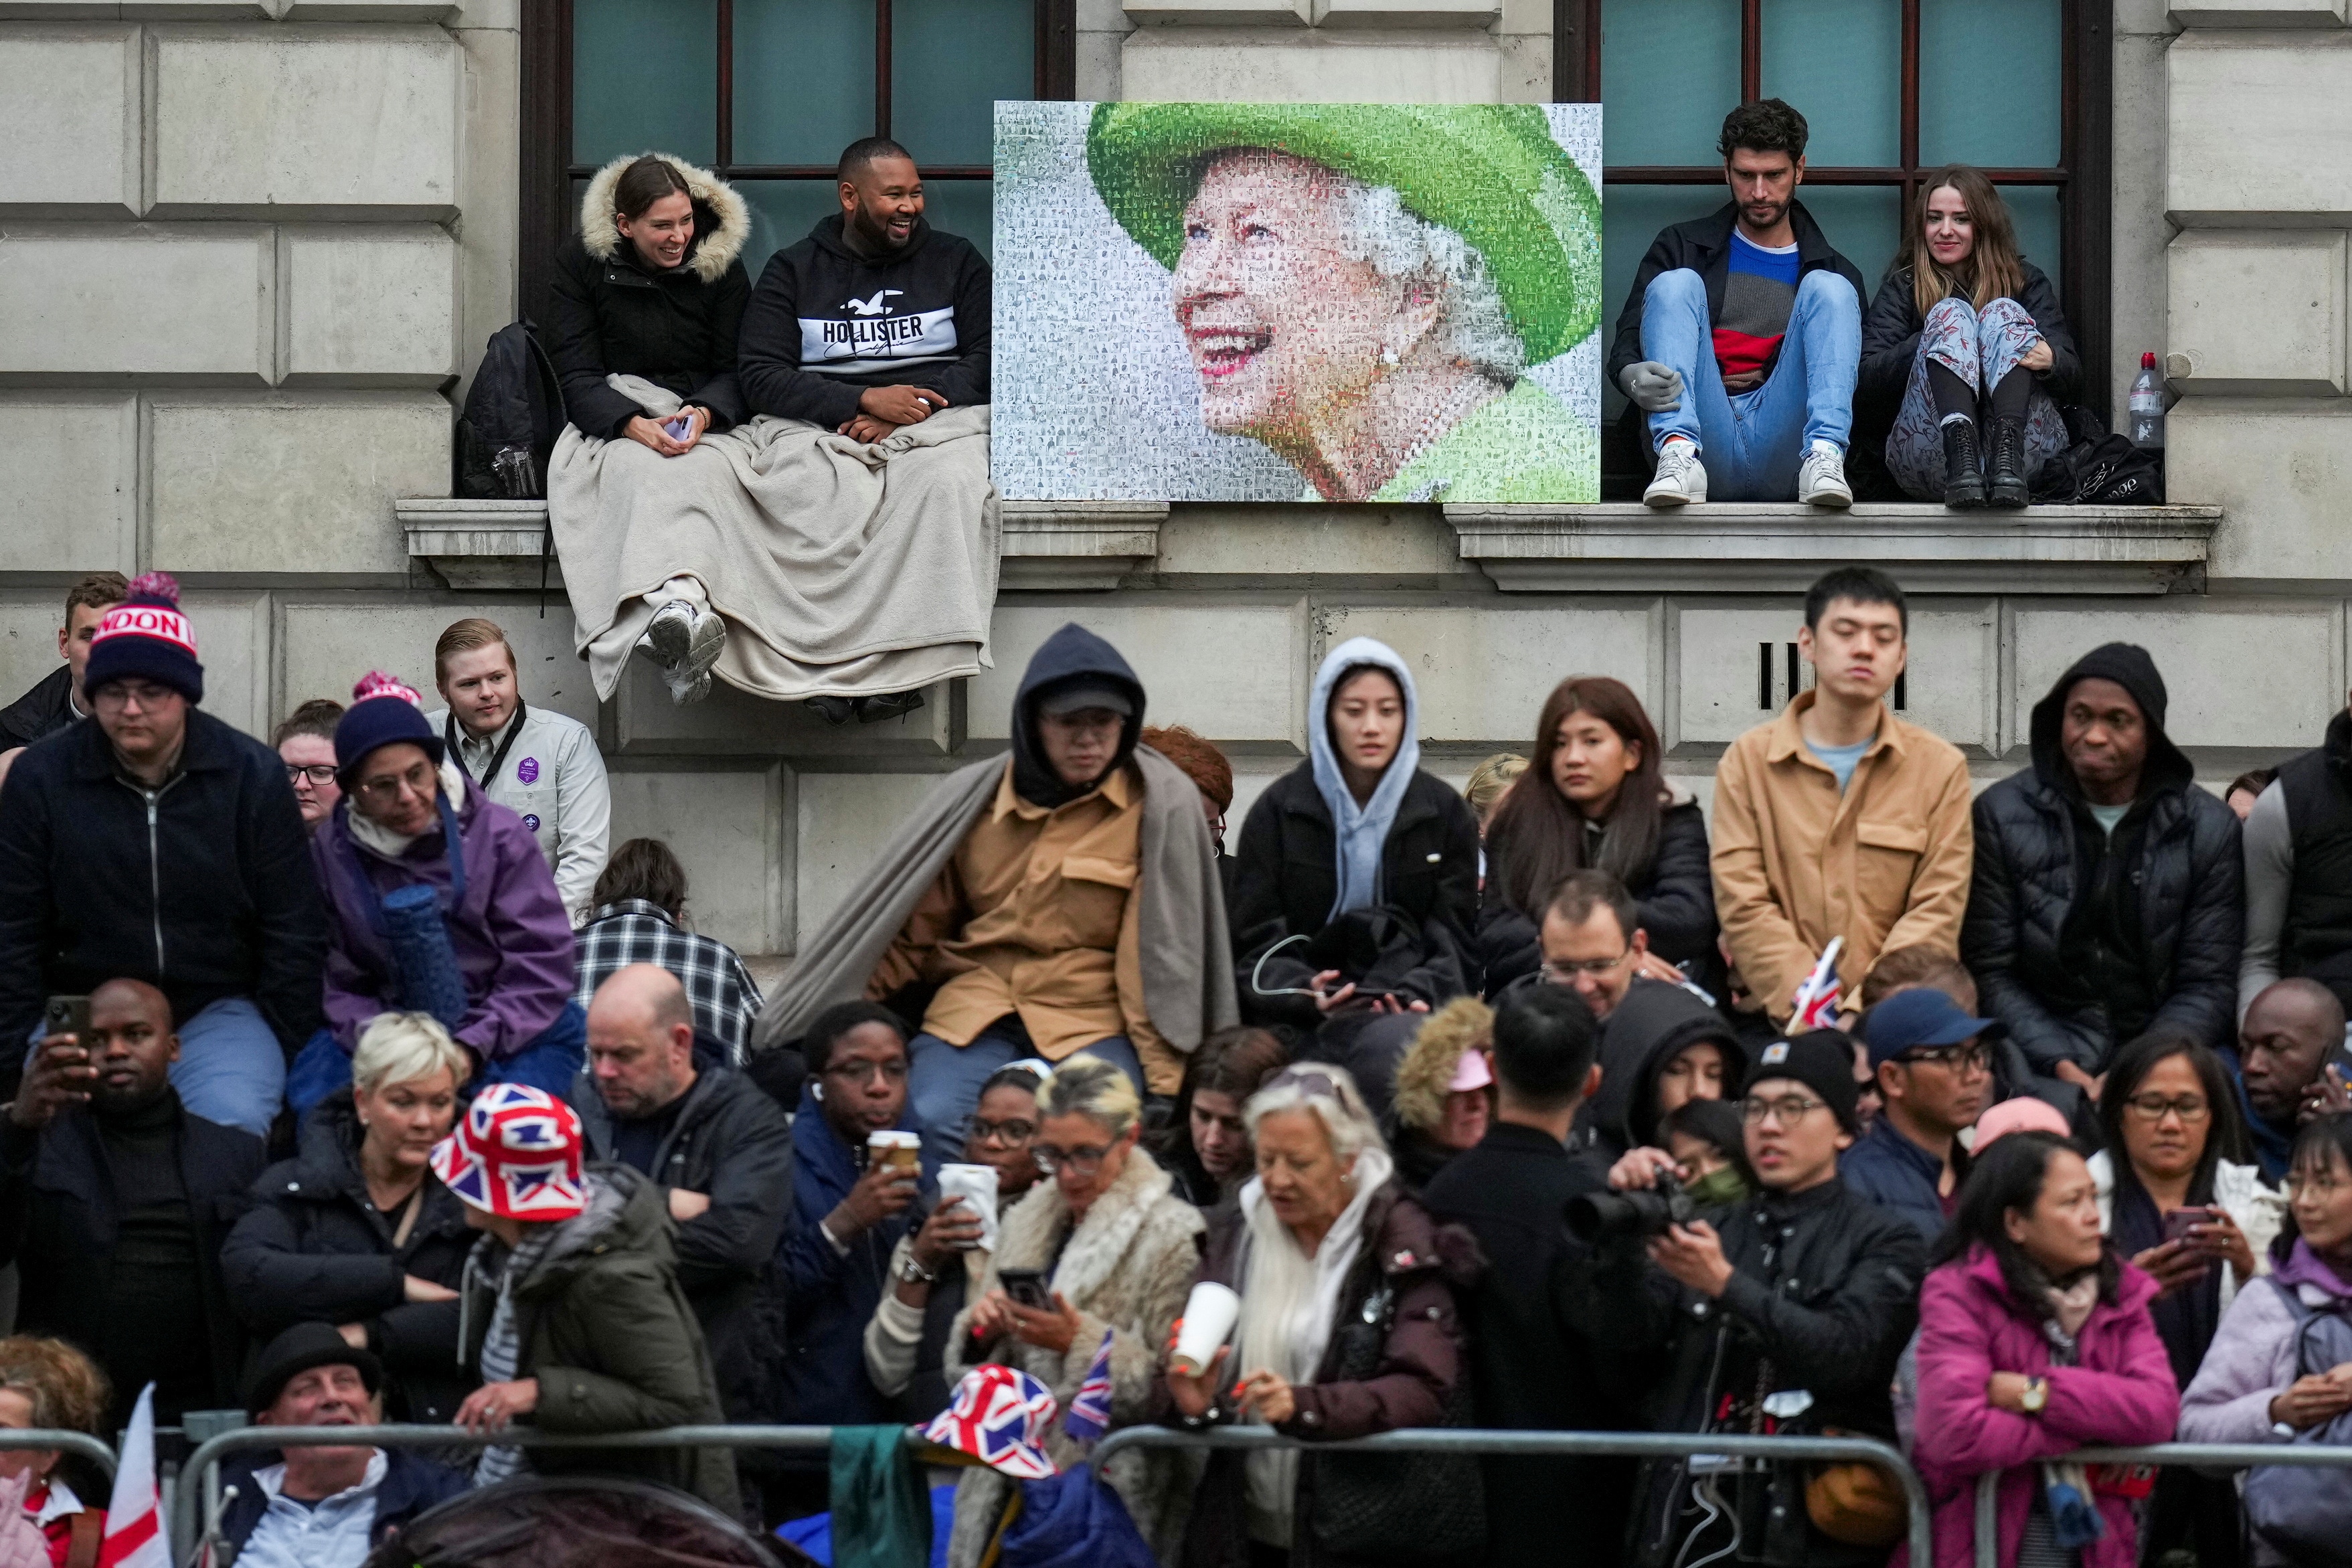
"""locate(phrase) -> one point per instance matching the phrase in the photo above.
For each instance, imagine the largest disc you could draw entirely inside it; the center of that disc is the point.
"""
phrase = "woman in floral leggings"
(1969, 335)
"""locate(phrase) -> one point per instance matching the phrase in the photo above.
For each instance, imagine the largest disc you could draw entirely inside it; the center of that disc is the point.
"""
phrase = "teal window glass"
(1990, 89)
(951, 61)
(2033, 209)
(804, 78)
(1864, 221)
(1669, 72)
(965, 207)
(644, 79)
(1839, 63)
(783, 211)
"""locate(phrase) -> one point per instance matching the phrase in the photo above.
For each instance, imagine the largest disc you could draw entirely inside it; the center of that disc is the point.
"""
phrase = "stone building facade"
(250, 248)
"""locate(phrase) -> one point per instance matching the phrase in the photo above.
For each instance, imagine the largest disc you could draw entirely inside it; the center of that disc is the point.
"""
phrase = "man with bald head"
(114, 1201)
(663, 1100)
(2289, 1065)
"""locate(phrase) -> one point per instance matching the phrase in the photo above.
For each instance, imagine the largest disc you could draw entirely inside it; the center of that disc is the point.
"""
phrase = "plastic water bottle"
(2146, 405)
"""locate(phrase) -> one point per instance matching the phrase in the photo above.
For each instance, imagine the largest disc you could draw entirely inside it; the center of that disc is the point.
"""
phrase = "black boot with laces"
(2005, 478)
(1964, 488)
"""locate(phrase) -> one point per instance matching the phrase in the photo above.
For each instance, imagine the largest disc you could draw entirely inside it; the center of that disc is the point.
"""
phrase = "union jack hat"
(998, 1416)
(515, 1153)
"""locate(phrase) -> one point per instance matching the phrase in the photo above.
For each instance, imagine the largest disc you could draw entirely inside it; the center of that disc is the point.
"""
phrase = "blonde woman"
(1112, 1247)
(1488, 782)
(49, 1383)
(1968, 337)
(356, 1230)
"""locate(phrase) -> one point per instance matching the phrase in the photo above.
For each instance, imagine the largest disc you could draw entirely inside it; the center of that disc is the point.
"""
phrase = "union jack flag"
(1088, 1416)
(998, 1416)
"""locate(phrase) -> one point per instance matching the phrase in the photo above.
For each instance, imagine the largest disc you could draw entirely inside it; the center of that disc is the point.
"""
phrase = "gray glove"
(1652, 387)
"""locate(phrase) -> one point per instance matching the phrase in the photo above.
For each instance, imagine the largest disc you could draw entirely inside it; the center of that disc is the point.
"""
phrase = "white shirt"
(330, 1533)
(553, 779)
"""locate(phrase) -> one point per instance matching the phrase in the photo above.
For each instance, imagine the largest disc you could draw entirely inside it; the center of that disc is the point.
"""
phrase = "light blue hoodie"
(1363, 831)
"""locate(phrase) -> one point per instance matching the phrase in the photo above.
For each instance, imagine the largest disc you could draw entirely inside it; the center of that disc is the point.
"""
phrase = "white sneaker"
(1821, 480)
(1680, 477)
(685, 641)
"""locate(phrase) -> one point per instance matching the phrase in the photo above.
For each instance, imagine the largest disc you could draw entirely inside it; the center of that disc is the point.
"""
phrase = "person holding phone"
(2182, 1201)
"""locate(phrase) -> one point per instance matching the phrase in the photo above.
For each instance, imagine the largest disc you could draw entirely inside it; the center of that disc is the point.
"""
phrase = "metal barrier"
(2207, 1456)
(1555, 1445)
(81, 1445)
(203, 1467)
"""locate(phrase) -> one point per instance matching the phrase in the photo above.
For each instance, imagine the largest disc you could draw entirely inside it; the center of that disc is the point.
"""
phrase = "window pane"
(783, 211)
(1669, 73)
(1989, 82)
(952, 60)
(1840, 64)
(1864, 221)
(804, 78)
(2033, 209)
(644, 78)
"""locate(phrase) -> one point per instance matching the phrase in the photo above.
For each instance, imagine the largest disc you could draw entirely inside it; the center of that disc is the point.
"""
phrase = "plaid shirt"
(632, 930)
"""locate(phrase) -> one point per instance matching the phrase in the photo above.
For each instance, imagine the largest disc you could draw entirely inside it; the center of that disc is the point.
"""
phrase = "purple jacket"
(512, 939)
(2121, 1392)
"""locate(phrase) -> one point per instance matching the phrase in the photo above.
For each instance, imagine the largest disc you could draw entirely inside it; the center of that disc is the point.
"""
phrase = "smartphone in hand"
(1027, 1288)
(68, 1015)
(2178, 1222)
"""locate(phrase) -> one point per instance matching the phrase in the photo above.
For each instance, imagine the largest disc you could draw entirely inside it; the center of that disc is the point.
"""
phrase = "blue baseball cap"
(1921, 1020)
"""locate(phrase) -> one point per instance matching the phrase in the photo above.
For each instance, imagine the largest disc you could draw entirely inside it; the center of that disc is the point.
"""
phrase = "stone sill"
(1731, 547)
(1055, 545)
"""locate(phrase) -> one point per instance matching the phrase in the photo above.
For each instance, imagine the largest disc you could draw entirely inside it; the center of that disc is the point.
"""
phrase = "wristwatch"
(914, 1273)
(2036, 1396)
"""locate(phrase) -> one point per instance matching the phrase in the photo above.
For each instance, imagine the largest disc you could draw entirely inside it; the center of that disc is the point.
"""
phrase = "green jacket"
(1522, 446)
(606, 1330)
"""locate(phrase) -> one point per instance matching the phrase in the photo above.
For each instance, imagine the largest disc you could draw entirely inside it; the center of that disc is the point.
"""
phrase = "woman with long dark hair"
(1595, 796)
(1205, 1147)
(2034, 1341)
(1966, 351)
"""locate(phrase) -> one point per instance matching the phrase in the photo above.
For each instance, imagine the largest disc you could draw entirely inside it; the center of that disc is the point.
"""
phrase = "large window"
(767, 92)
(1891, 90)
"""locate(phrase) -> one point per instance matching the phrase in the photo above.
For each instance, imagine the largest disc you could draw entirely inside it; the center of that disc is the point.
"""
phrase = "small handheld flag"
(1817, 995)
(1088, 1416)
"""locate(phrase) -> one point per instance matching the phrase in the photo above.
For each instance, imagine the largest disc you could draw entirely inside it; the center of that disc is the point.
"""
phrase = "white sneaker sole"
(669, 638)
(1831, 500)
(1666, 499)
(703, 645)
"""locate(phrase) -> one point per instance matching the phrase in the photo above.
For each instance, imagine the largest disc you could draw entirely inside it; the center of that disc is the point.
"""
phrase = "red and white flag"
(134, 1519)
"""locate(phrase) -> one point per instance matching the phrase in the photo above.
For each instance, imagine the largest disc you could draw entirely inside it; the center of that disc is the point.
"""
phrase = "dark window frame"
(2083, 174)
(547, 171)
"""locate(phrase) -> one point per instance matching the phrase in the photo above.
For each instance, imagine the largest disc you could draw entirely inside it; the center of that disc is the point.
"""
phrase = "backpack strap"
(88, 1534)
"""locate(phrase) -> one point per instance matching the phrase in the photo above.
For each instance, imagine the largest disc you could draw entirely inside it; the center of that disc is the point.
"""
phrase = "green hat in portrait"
(1489, 171)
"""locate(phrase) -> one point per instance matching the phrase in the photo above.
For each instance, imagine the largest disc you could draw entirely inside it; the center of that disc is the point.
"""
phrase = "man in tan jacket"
(1837, 819)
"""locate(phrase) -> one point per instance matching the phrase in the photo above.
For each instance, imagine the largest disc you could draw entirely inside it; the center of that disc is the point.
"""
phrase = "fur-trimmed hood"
(1425, 1077)
(722, 219)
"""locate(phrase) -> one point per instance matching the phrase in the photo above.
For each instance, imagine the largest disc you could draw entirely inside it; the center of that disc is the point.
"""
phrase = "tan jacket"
(1884, 865)
(1034, 916)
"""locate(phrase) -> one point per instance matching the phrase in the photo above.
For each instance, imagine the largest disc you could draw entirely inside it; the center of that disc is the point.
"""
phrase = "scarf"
(1362, 830)
(2304, 1267)
(367, 830)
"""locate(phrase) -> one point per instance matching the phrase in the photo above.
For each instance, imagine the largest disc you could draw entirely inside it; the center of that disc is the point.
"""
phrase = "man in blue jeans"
(1742, 333)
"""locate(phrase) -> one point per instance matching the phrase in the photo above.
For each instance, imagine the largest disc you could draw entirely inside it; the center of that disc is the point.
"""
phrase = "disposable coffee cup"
(1210, 1314)
(903, 1150)
(976, 1185)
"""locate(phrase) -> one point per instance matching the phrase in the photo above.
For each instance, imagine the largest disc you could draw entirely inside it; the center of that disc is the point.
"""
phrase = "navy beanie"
(384, 712)
(146, 638)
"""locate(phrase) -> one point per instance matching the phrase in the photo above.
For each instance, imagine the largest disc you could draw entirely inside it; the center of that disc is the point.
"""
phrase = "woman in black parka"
(1357, 832)
(357, 1231)
(1595, 797)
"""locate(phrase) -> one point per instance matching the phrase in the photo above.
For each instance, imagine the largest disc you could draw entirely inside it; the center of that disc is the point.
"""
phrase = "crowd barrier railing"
(2197, 1456)
(81, 1445)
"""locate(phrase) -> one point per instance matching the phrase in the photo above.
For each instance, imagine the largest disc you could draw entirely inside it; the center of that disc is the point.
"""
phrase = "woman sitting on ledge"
(1966, 335)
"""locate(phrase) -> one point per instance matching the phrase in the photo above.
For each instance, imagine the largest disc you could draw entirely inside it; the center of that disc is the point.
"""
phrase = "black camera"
(1594, 1215)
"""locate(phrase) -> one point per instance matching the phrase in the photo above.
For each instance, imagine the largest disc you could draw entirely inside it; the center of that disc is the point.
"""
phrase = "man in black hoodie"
(2106, 895)
(876, 319)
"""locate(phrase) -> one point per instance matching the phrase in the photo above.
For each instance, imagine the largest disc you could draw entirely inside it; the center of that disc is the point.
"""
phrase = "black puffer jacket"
(1890, 343)
(315, 1248)
(1676, 892)
(608, 315)
(2185, 872)
(1287, 877)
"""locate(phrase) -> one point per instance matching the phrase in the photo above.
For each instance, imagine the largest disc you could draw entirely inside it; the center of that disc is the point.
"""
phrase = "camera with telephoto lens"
(1594, 1215)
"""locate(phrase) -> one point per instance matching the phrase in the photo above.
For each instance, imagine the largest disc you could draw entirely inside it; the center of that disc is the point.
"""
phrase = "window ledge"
(1060, 546)
(1733, 547)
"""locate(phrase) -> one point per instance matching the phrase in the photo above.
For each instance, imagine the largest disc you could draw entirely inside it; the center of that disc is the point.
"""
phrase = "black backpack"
(2099, 468)
(514, 410)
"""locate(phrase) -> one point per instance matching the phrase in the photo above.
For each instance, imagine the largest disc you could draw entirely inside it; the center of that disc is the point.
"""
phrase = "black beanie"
(1820, 1058)
(2129, 666)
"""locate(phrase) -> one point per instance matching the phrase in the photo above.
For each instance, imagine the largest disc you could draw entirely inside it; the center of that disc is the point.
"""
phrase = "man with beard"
(1742, 334)
(876, 319)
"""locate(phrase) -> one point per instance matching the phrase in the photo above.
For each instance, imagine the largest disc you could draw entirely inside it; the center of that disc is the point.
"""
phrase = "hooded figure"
(1019, 913)
(1644, 1034)
(2106, 897)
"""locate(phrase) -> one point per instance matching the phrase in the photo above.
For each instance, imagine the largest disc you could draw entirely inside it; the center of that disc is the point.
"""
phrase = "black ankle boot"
(1963, 470)
(2005, 476)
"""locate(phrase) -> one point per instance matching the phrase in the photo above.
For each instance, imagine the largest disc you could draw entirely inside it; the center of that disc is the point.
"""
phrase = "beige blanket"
(842, 568)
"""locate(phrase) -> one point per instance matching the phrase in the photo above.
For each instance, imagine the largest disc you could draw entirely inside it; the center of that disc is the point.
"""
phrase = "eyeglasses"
(2322, 1187)
(1969, 1057)
(1012, 1133)
(1077, 1162)
(1787, 1109)
(855, 1072)
(319, 774)
(419, 781)
(2153, 1107)
(116, 695)
(1562, 973)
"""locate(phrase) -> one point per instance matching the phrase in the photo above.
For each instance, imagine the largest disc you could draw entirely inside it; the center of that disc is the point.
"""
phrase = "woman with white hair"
(1347, 1328)
(356, 1230)
(1103, 1249)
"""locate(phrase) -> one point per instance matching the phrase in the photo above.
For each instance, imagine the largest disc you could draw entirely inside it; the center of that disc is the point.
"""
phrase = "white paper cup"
(976, 1185)
(903, 1150)
(1210, 1314)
